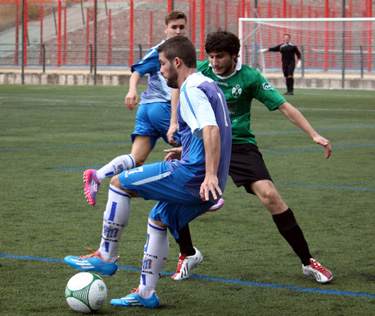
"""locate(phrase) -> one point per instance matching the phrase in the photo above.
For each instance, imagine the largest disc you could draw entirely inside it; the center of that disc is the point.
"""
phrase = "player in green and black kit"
(241, 84)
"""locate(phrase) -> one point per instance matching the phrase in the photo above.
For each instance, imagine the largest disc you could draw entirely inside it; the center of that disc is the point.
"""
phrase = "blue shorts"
(153, 120)
(176, 207)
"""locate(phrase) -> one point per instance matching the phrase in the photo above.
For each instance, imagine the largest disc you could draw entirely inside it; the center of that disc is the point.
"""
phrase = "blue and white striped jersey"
(157, 90)
(202, 103)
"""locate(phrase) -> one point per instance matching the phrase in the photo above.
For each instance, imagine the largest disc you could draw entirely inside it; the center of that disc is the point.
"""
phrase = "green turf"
(51, 134)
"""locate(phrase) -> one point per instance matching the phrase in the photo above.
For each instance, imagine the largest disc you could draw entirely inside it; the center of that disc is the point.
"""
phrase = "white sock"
(115, 219)
(116, 166)
(155, 255)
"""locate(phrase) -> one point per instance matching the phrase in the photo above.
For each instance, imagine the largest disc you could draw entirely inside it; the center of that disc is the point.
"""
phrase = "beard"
(172, 81)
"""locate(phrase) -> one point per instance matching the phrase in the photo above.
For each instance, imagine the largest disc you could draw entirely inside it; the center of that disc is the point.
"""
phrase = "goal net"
(326, 44)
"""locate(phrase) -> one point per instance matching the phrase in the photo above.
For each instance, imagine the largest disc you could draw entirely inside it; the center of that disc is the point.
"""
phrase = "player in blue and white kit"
(152, 122)
(185, 187)
(153, 115)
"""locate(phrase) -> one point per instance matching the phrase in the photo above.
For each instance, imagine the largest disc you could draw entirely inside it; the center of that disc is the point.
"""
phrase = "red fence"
(119, 30)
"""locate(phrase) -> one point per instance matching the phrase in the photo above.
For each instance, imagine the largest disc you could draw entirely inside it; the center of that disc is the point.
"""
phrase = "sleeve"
(266, 93)
(275, 48)
(196, 110)
(148, 64)
(298, 53)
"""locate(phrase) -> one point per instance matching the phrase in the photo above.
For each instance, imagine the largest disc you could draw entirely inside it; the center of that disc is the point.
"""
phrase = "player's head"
(222, 48)
(175, 24)
(174, 54)
(286, 38)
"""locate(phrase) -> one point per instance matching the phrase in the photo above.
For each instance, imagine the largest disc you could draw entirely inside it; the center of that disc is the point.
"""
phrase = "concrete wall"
(123, 79)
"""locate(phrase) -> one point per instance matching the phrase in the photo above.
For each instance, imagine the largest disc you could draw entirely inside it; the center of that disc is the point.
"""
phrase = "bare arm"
(211, 140)
(173, 126)
(300, 121)
(131, 98)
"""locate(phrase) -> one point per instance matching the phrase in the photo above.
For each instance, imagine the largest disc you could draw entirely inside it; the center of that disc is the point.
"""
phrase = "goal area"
(326, 44)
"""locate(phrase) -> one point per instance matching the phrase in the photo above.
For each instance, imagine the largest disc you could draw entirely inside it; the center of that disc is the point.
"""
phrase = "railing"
(317, 58)
(355, 59)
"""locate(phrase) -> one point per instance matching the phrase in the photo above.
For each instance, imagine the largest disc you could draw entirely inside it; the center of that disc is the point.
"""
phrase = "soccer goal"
(326, 44)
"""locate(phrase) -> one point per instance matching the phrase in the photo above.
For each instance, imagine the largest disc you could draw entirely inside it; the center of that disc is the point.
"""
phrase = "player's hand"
(299, 64)
(173, 153)
(263, 50)
(131, 100)
(210, 190)
(325, 143)
(171, 132)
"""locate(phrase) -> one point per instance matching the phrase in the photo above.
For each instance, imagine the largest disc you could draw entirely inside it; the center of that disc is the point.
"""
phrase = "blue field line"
(129, 142)
(213, 279)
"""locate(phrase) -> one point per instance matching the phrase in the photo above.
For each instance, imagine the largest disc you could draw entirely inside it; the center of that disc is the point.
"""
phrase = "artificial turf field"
(51, 134)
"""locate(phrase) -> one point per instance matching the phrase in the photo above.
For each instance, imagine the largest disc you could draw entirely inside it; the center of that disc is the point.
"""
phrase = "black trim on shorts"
(247, 166)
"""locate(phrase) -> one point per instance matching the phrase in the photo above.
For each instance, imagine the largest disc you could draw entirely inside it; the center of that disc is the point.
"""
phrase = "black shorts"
(247, 166)
(288, 69)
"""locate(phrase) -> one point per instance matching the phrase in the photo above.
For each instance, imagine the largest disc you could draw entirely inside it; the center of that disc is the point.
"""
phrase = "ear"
(177, 62)
(165, 29)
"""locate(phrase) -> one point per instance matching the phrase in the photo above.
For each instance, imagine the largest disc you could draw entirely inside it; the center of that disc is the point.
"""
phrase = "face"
(223, 63)
(168, 70)
(175, 27)
(286, 38)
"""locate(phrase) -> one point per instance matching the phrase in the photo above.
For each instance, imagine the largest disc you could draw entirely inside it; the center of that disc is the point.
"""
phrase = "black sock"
(185, 242)
(290, 84)
(289, 229)
(287, 84)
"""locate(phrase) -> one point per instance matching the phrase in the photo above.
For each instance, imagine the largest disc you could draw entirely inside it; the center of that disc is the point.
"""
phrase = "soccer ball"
(86, 292)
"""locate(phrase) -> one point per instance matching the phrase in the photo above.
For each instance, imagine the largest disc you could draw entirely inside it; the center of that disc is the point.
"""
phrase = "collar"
(238, 68)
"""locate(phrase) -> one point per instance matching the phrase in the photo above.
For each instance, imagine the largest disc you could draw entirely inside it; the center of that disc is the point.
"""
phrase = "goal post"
(326, 44)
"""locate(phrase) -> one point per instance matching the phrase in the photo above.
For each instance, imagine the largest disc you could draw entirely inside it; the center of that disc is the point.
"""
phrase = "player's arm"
(131, 98)
(274, 49)
(299, 62)
(173, 125)
(211, 140)
(296, 117)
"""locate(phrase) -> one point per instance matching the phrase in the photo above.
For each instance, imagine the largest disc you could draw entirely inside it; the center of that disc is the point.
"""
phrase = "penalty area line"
(214, 279)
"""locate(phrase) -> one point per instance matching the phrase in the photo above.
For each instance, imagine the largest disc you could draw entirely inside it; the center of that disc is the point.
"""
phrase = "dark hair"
(222, 41)
(286, 34)
(174, 15)
(181, 47)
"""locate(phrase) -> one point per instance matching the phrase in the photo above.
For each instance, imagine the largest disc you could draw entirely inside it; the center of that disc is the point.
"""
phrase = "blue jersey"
(157, 90)
(202, 103)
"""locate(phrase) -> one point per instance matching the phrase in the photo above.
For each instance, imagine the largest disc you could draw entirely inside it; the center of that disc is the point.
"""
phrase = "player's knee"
(116, 182)
(271, 198)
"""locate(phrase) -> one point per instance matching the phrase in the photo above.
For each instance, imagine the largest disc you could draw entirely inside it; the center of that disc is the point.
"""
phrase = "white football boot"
(186, 264)
(315, 269)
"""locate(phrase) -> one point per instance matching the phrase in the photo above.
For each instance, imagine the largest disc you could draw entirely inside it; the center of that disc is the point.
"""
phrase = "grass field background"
(51, 134)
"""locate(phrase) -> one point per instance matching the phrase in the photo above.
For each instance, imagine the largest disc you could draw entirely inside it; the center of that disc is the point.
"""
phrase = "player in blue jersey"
(152, 122)
(153, 115)
(186, 185)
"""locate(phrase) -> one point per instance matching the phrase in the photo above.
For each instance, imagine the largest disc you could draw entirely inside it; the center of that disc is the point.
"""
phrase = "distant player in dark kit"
(288, 52)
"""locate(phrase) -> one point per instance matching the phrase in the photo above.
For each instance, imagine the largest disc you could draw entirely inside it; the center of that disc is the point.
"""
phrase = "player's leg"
(155, 254)
(285, 72)
(288, 227)
(143, 140)
(249, 170)
(115, 220)
(290, 79)
(93, 178)
(158, 181)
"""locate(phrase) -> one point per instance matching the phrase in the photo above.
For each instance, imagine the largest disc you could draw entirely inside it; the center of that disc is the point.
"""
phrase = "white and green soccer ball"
(86, 292)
